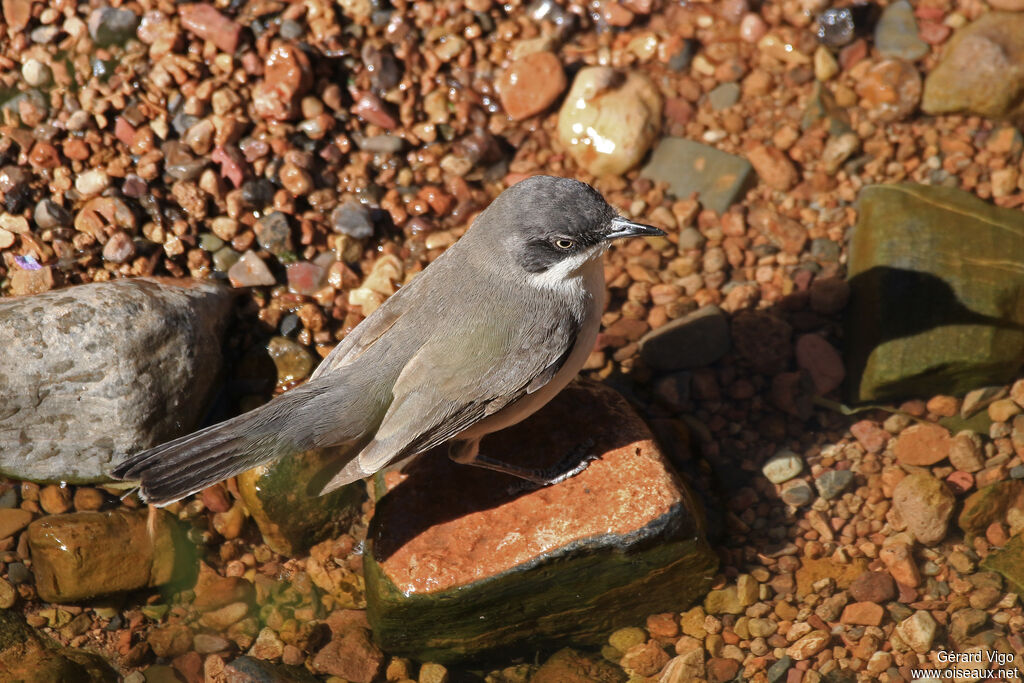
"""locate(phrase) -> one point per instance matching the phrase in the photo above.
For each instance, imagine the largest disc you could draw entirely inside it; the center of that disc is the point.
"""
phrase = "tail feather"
(173, 470)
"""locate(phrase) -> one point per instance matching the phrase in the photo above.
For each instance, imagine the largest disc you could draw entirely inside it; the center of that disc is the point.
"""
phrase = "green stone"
(210, 242)
(282, 498)
(718, 178)
(507, 571)
(224, 258)
(936, 285)
(1009, 562)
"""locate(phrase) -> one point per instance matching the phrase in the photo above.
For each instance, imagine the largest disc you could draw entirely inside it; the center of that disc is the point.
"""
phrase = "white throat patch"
(568, 274)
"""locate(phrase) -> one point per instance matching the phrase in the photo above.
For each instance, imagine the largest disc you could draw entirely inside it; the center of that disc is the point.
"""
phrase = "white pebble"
(783, 466)
(35, 73)
(92, 182)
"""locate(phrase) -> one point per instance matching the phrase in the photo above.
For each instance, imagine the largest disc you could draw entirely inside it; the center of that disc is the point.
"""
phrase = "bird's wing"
(454, 382)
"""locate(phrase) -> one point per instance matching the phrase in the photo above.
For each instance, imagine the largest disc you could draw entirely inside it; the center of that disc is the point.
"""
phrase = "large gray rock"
(89, 374)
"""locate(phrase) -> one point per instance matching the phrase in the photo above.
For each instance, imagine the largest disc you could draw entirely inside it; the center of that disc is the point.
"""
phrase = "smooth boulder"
(92, 373)
(463, 562)
(934, 294)
(83, 555)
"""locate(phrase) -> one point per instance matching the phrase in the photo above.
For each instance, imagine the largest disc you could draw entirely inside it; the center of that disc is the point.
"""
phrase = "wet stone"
(531, 84)
(28, 655)
(224, 258)
(609, 119)
(283, 498)
(718, 178)
(80, 555)
(292, 360)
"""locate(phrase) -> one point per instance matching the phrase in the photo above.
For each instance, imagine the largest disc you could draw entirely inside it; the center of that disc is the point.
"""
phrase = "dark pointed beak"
(622, 227)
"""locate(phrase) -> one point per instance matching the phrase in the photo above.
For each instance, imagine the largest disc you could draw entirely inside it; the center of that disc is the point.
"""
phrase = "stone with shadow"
(936, 286)
(462, 563)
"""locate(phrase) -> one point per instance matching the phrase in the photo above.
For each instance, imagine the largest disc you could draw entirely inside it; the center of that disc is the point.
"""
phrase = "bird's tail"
(173, 470)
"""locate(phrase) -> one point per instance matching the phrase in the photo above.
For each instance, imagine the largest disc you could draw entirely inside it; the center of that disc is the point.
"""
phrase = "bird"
(482, 338)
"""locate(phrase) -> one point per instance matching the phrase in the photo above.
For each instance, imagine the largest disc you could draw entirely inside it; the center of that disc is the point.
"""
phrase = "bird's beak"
(622, 227)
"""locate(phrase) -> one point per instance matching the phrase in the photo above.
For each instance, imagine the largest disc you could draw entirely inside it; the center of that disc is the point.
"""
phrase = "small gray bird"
(482, 338)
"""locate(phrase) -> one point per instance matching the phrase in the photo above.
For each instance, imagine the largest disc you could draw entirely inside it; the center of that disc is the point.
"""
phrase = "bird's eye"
(564, 243)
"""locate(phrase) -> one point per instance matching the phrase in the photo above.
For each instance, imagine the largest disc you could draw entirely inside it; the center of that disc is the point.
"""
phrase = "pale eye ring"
(564, 243)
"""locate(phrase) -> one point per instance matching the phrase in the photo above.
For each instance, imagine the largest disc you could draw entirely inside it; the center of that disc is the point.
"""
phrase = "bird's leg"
(577, 460)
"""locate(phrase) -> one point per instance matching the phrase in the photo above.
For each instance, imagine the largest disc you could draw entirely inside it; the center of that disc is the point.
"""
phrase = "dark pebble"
(18, 573)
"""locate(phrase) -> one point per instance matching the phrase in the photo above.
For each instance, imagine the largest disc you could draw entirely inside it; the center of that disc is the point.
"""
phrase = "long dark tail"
(173, 470)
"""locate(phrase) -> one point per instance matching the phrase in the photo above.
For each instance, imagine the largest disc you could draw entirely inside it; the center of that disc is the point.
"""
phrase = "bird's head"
(554, 226)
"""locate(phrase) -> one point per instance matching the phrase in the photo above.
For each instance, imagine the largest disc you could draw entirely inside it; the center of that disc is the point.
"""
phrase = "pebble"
(689, 167)
(55, 500)
(250, 271)
(863, 613)
(292, 360)
(609, 119)
(796, 493)
(109, 26)
(92, 182)
(832, 483)
(274, 233)
(206, 22)
(694, 340)
(774, 168)
(918, 631)
(966, 452)
(120, 247)
(352, 219)
(35, 73)
(873, 586)
(926, 505)
(821, 361)
(922, 444)
(783, 466)
(13, 520)
(724, 96)
(891, 89)
(531, 84)
(809, 645)
(896, 34)
(48, 214)
(8, 595)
